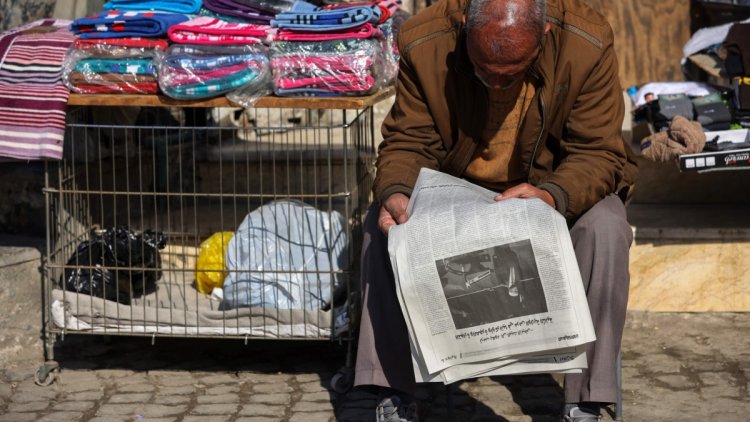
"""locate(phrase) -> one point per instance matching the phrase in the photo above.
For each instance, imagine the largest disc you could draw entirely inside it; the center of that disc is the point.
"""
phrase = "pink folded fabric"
(326, 63)
(208, 30)
(183, 76)
(364, 31)
(340, 82)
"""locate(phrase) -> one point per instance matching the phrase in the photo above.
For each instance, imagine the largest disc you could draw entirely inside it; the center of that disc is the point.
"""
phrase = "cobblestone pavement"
(676, 367)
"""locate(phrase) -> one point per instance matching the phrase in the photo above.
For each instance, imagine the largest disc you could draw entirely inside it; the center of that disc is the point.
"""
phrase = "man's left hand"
(525, 190)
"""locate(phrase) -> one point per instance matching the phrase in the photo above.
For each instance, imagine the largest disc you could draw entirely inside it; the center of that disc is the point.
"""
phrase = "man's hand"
(525, 190)
(393, 211)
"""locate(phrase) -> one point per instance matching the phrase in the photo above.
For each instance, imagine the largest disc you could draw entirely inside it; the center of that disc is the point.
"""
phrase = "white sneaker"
(573, 413)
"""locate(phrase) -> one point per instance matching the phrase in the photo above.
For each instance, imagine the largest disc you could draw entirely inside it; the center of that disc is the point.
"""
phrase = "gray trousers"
(601, 239)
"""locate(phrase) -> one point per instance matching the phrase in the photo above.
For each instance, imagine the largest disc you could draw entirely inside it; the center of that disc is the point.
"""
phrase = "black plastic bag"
(116, 264)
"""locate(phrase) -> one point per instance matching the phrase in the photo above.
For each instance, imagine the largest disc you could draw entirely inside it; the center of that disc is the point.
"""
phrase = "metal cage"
(185, 174)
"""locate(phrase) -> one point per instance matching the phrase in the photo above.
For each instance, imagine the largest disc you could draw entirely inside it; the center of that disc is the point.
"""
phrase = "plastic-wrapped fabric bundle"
(115, 24)
(202, 71)
(348, 67)
(390, 45)
(285, 255)
(188, 7)
(114, 65)
(214, 31)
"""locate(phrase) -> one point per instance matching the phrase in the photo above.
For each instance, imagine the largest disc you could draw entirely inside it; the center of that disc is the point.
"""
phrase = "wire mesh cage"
(207, 222)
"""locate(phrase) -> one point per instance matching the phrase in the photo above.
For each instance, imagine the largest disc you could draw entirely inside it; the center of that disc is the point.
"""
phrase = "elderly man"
(522, 97)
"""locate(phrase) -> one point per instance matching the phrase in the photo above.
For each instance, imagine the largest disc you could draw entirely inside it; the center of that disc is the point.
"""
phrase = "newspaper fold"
(487, 287)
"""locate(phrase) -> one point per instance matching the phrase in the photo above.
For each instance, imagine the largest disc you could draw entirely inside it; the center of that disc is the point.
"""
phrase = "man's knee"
(604, 224)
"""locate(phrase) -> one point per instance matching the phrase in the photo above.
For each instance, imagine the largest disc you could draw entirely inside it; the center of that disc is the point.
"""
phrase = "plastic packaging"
(214, 31)
(285, 255)
(102, 68)
(116, 264)
(390, 45)
(210, 270)
(191, 71)
(346, 67)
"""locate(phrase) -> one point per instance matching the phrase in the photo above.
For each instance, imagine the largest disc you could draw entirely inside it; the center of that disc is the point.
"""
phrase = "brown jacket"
(571, 133)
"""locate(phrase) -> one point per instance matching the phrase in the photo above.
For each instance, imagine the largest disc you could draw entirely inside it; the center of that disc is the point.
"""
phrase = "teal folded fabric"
(129, 66)
(211, 87)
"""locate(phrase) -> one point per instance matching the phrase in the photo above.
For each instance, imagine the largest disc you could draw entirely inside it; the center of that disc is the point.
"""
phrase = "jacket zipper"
(538, 139)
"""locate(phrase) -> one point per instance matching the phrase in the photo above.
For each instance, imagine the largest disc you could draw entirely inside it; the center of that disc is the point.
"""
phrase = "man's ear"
(547, 27)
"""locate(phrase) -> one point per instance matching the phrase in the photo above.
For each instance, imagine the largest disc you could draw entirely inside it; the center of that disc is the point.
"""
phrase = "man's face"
(503, 70)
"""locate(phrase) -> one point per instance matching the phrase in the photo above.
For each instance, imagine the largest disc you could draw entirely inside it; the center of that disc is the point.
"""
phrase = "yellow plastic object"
(209, 269)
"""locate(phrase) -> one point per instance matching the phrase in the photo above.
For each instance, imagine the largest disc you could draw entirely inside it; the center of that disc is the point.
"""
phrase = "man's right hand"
(393, 211)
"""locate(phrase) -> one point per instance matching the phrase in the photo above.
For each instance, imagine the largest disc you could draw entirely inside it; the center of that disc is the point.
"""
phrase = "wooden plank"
(649, 36)
(356, 103)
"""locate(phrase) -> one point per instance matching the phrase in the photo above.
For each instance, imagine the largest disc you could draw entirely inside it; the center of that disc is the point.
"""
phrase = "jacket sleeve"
(410, 139)
(592, 149)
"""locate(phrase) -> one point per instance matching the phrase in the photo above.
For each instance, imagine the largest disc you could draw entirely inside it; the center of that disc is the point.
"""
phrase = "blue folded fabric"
(308, 17)
(192, 62)
(114, 24)
(189, 7)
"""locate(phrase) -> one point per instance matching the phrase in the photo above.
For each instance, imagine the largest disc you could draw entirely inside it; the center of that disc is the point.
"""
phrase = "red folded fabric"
(326, 63)
(339, 82)
(124, 88)
(364, 31)
(135, 42)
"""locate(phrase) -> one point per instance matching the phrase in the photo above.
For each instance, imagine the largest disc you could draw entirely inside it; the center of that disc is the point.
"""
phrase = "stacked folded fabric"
(113, 65)
(335, 50)
(345, 67)
(213, 57)
(118, 50)
(191, 71)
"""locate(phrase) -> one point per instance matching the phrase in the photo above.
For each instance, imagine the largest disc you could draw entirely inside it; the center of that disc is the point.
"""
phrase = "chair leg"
(618, 378)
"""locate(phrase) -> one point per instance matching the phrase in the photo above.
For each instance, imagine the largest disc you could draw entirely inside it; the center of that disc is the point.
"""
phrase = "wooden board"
(649, 36)
(335, 103)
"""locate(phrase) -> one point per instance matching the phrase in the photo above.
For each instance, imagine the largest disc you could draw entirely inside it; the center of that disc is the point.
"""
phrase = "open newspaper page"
(568, 360)
(480, 280)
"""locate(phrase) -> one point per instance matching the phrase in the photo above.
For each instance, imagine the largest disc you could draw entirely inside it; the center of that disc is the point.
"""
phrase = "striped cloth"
(33, 98)
(308, 17)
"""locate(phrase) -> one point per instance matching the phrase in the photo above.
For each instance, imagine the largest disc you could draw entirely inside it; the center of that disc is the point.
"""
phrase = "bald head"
(506, 28)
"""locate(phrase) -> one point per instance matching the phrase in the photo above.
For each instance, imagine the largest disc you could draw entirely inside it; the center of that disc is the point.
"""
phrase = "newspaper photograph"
(485, 284)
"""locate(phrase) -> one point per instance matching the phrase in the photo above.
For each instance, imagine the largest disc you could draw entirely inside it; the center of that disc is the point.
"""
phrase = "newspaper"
(487, 287)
